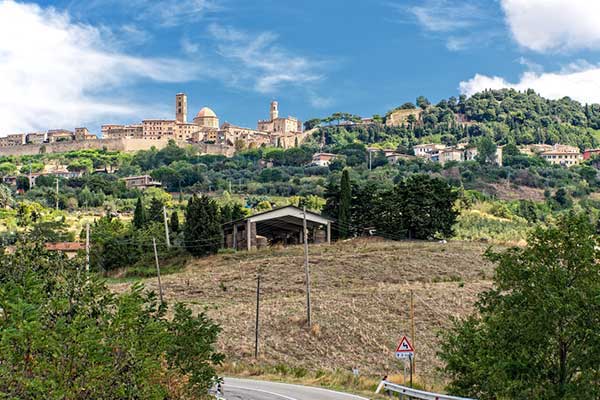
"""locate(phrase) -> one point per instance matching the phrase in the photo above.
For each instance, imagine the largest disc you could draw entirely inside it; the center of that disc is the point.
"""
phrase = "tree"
(422, 102)
(486, 151)
(419, 207)
(6, 198)
(155, 211)
(7, 168)
(23, 183)
(345, 204)
(534, 333)
(65, 335)
(139, 215)
(174, 222)
(202, 230)
(311, 123)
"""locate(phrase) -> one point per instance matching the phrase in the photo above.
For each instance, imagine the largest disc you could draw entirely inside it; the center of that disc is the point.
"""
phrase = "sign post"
(405, 351)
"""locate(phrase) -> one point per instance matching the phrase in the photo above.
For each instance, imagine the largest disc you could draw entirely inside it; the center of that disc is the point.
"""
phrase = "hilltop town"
(204, 129)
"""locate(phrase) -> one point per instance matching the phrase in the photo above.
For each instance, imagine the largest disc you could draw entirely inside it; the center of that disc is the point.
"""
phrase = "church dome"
(206, 113)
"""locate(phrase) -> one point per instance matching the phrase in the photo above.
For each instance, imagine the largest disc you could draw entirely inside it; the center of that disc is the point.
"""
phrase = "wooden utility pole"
(87, 247)
(160, 291)
(257, 315)
(412, 330)
(306, 269)
(166, 227)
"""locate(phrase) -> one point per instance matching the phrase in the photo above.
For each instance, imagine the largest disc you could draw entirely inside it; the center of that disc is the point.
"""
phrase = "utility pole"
(412, 332)
(57, 193)
(370, 160)
(306, 269)
(87, 247)
(257, 315)
(160, 291)
(166, 227)
(229, 186)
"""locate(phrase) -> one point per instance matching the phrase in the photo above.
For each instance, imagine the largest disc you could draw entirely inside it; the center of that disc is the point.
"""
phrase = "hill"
(360, 298)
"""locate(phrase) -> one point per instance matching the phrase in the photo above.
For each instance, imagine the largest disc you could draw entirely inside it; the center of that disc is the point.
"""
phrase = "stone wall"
(120, 144)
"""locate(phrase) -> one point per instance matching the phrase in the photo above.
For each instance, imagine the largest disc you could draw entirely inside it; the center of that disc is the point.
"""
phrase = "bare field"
(360, 301)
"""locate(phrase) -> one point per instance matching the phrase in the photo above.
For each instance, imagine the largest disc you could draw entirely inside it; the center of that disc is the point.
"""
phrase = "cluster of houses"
(557, 154)
(51, 136)
(433, 152)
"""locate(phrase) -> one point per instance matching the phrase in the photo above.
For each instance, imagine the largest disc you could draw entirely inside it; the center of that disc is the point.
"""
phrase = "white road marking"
(263, 391)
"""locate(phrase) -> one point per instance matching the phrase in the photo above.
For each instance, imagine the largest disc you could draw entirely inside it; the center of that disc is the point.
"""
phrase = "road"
(247, 389)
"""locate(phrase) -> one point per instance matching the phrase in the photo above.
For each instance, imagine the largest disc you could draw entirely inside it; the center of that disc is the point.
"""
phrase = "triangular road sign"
(404, 348)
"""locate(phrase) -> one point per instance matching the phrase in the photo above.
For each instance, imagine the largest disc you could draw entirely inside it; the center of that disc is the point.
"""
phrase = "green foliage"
(7, 168)
(174, 222)
(533, 334)
(486, 151)
(202, 231)
(23, 183)
(419, 207)
(139, 214)
(63, 334)
(6, 198)
(344, 205)
(155, 211)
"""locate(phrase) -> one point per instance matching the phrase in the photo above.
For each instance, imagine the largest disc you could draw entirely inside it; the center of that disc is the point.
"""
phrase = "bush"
(63, 334)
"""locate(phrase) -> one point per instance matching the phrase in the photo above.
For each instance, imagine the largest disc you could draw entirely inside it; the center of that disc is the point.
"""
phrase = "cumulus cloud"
(554, 25)
(580, 81)
(58, 73)
(258, 60)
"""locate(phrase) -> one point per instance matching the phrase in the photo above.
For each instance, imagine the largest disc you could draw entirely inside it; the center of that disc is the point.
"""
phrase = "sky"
(72, 63)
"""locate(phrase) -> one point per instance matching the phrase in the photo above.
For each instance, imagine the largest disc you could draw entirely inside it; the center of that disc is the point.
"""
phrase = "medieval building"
(205, 128)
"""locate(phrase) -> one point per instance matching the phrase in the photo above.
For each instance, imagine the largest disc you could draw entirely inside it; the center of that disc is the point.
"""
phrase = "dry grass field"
(360, 301)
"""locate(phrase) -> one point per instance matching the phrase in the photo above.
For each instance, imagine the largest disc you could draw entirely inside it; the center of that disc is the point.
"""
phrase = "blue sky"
(68, 63)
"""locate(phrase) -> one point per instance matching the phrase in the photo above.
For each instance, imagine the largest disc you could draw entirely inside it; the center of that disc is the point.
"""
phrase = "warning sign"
(404, 349)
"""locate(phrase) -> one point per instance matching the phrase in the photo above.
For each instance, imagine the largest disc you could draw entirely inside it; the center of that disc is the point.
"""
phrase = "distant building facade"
(140, 182)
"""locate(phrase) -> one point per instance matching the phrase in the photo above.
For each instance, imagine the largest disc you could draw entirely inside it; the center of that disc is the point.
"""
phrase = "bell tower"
(181, 107)
(274, 110)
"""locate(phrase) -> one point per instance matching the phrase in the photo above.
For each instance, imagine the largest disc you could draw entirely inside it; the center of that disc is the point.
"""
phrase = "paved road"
(246, 389)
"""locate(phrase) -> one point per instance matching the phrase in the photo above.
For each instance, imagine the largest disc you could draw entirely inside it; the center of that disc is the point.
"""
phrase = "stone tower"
(274, 110)
(181, 108)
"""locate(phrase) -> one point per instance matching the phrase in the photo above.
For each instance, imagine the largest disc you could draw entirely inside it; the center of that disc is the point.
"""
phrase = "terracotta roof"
(64, 246)
(206, 112)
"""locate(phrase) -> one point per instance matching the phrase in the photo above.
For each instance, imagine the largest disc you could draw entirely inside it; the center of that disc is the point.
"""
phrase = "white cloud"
(461, 24)
(175, 12)
(554, 25)
(445, 15)
(259, 60)
(57, 73)
(154, 12)
(580, 81)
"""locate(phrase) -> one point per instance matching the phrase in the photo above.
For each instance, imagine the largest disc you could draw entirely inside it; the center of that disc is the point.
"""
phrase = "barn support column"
(235, 236)
(249, 235)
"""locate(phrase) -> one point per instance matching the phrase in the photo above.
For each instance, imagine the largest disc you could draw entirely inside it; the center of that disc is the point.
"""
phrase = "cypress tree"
(202, 230)
(345, 204)
(155, 211)
(174, 223)
(139, 215)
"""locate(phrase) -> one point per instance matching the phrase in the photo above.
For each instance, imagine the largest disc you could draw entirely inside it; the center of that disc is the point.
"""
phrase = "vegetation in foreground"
(63, 334)
(534, 333)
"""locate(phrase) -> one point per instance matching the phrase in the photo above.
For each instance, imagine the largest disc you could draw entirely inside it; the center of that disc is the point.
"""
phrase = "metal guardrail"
(407, 392)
